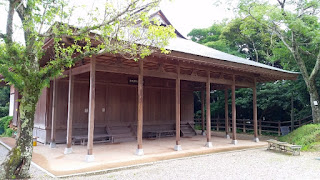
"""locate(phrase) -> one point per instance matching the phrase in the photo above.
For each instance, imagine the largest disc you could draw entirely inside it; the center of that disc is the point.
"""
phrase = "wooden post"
(218, 119)
(92, 99)
(177, 147)
(208, 117)
(202, 113)
(68, 150)
(279, 129)
(226, 113)
(255, 113)
(292, 113)
(234, 114)
(139, 150)
(54, 114)
(260, 127)
(244, 125)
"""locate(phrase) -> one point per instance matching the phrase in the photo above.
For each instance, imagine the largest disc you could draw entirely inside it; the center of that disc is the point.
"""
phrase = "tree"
(296, 23)
(212, 37)
(123, 29)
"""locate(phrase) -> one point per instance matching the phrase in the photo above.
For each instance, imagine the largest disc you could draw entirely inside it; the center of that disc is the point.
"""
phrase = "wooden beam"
(70, 113)
(140, 109)
(116, 69)
(78, 70)
(209, 144)
(202, 112)
(255, 114)
(92, 99)
(54, 114)
(166, 75)
(234, 114)
(178, 115)
(231, 66)
(226, 113)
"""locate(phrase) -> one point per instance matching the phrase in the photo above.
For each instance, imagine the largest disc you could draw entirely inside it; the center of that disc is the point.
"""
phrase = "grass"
(308, 136)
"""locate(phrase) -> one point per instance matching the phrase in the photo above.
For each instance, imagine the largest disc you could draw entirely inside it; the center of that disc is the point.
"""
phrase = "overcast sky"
(184, 15)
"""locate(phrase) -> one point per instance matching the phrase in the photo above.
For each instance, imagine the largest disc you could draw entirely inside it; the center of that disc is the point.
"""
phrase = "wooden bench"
(158, 134)
(97, 138)
(284, 147)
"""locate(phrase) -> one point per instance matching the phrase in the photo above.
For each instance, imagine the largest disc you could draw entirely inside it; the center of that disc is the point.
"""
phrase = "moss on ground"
(308, 136)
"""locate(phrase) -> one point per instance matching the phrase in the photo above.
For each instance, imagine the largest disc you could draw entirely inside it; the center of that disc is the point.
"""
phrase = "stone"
(234, 142)
(177, 148)
(228, 136)
(208, 144)
(139, 152)
(53, 145)
(89, 158)
(67, 150)
(256, 139)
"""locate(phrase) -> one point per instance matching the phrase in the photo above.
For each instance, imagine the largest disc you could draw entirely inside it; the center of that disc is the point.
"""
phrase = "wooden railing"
(246, 125)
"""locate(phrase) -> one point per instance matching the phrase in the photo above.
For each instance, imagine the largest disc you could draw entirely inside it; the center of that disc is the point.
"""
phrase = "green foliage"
(211, 37)
(296, 25)
(249, 36)
(4, 100)
(308, 136)
(4, 126)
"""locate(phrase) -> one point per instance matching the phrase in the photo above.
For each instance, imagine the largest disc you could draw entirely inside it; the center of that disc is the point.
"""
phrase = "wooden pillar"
(68, 150)
(139, 150)
(209, 143)
(234, 114)
(177, 147)
(260, 127)
(226, 114)
(91, 116)
(255, 114)
(292, 113)
(53, 114)
(202, 113)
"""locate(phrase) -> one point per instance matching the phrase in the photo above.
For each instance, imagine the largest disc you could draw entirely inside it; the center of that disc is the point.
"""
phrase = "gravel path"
(247, 164)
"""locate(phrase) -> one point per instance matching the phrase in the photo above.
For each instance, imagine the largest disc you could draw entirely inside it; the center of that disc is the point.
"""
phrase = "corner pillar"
(202, 113)
(234, 113)
(54, 114)
(255, 114)
(92, 99)
(209, 143)
(68, 150)
(139, 150)
(177, 147)
(226, 113)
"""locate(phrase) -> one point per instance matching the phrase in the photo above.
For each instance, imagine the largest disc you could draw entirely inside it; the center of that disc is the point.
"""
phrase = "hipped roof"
(195, 50)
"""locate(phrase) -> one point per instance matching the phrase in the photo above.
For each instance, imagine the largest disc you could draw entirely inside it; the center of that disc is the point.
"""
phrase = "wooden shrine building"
(108, 97)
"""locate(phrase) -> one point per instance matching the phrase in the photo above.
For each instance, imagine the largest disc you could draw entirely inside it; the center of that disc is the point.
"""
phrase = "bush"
(308, 136)
(5, 130)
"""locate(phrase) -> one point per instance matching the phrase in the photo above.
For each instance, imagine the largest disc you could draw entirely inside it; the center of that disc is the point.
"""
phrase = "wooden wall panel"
(62, 104)
(41, 110)
(121, 105)
(100, 109)
(187, 106)
(81, 103)
(120, 102)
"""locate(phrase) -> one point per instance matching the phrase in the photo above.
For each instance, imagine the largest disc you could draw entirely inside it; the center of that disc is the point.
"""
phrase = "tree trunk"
(17, 163)
(314, 99)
